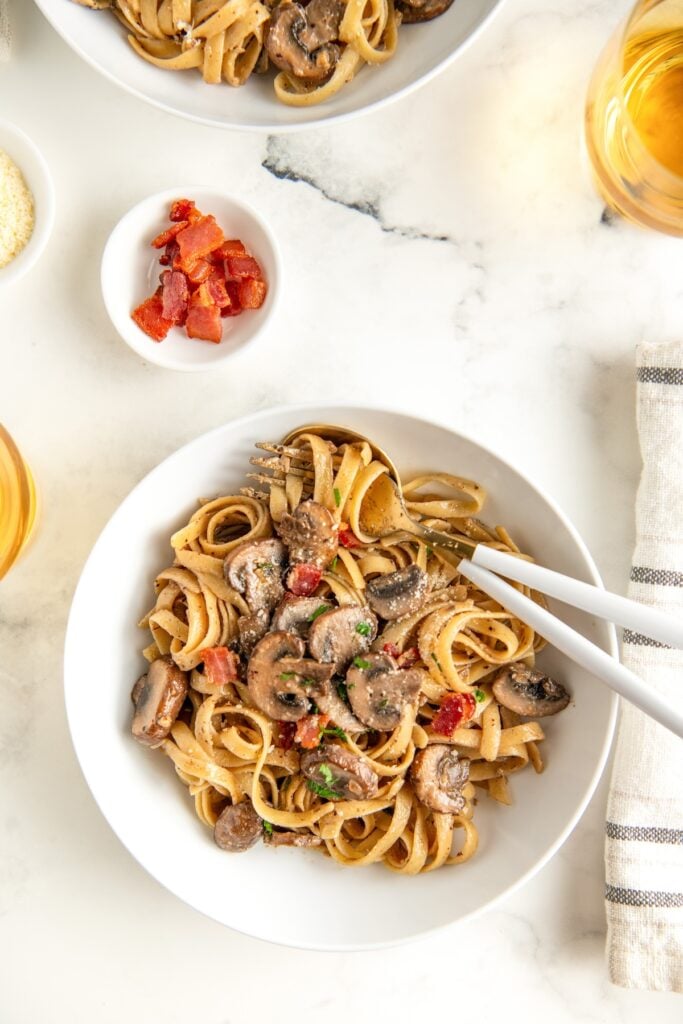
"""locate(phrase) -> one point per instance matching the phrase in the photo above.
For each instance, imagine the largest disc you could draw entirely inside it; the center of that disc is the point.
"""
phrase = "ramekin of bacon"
(189, 277)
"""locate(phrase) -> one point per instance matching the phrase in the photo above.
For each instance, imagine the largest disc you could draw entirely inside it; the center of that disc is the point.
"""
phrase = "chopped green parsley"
(267, 827)
(361, 663)
(265, 565)
(479, 696)
(286, 676)
(334, 730)
(364, 628)
(333, 567)
(320, 610)
(342, 691)
(337, 497)
(323, 791)
(437, 662)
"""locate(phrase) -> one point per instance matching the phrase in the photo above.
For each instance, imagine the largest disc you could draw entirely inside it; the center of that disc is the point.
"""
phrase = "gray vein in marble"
(275, 163)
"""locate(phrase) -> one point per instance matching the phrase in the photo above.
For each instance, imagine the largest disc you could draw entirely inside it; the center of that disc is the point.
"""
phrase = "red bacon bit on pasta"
(309, 730)
(220, 665)
(303, 579)
(409, 657)
(283, 735)
(211, 277)
(455, 709)
(392, 650)
(347, 537)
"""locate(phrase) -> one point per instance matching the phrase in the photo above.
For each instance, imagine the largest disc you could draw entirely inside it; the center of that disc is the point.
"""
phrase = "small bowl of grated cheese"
(27, 203)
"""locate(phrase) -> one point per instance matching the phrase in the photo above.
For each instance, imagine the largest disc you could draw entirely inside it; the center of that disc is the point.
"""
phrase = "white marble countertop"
(454, 240)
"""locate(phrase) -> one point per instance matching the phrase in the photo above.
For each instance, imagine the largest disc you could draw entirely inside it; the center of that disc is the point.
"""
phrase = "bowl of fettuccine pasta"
(252, 64)
(331, 761)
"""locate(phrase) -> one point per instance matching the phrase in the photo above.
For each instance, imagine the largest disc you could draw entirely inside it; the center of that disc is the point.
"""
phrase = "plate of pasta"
(268, 66)
(284, 700)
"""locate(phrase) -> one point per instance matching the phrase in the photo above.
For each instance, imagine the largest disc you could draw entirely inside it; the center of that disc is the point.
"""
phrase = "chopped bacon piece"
(150, 318)
(198, 270)
(283, 734)
(392, 650)
(235, 307)
(252, 293)
(303, 579)
(309, 730)
(231, 247)
(347, 537)
(174, 296)
(456, 708)
(242, 266)
(168, 235)
(170, 254)
(408, 658)
(220, 665)
(204, 322)
(217, 290)
(199, 239)
(182, 208)
(201, 296)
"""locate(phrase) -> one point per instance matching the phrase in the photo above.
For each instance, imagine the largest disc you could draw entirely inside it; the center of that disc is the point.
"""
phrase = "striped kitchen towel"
(644, 842)
(5, 33)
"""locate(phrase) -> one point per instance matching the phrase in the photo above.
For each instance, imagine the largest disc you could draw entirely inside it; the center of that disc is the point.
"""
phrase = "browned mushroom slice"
(255, 570)
(529, 692)
(252, 628)
(291, 839)
(438, 776)
(379, 690)
(330, 703)
(300, 40)
(238, 827)
(295, 614)
(398, 593)
(413, 11)
(310, 533)
(158, 697)
(280, 679)
(337, 774)
(342, 634)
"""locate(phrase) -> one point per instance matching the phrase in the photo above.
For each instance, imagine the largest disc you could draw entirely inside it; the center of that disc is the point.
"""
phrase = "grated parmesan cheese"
(16, 210)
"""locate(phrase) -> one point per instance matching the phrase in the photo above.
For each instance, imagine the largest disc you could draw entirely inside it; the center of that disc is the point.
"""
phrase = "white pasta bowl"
(149, 808)
(130, 273)
(423, 50)
(36, 173)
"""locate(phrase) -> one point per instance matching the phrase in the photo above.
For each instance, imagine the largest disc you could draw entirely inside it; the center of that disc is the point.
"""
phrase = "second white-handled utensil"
(596, 661)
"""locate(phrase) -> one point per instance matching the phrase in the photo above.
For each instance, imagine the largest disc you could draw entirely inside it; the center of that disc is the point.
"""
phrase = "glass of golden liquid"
(18, 503)
(634, 117)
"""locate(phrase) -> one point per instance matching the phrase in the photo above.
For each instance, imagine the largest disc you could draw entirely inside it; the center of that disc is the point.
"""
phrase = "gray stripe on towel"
(639, 640)
(656, 577)
(660, 374)
(642, 897)
(644, 833)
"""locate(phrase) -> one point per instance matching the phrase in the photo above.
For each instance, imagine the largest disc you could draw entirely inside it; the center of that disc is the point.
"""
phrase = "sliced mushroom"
(252, 628)
(398, 593)
(238, 827)
(255, 570)
(379, 690)
(438, 776)
(344, 633)
(422, 10)
(310, 533)
(338, 771)
(299, 40)
(280, 679)
(295, 614)
(529, 692)
(292, 839)
(158, 697)
(330, 703)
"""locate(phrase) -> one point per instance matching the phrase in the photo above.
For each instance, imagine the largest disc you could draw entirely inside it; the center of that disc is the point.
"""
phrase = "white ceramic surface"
(423, 50)
(149, 809)
(32, 165)
(130, 272)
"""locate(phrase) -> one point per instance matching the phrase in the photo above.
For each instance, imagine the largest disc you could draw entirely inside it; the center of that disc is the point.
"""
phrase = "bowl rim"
(44, 206)
(300, 409)
(157, 355)
(276, 127)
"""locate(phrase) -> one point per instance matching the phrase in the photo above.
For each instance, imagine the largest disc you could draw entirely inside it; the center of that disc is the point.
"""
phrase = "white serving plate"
(289, 896)
(423, 51)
